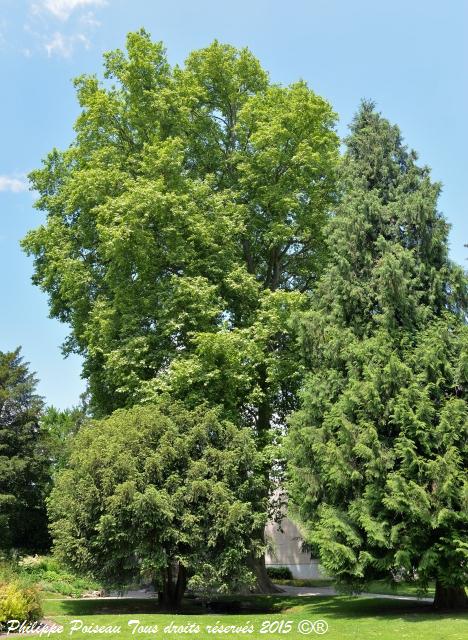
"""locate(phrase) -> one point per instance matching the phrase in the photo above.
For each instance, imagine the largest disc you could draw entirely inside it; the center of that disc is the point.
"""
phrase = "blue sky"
(409, 56)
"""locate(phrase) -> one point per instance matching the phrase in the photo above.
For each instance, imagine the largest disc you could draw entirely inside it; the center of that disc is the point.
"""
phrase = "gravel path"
(293, 591)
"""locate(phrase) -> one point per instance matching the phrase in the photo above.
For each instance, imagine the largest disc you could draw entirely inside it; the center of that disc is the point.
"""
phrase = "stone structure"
(286, 551)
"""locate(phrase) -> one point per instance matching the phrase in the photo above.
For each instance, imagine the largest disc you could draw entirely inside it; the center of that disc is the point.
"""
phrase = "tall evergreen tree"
(378, 451)
(24, 466)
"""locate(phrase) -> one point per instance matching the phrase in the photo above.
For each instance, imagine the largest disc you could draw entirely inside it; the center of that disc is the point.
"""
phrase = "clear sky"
(410, 56)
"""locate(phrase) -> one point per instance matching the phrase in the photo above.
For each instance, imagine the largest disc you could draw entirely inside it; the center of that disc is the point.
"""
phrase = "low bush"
(19, 603)
(47, 574)
(279, 573)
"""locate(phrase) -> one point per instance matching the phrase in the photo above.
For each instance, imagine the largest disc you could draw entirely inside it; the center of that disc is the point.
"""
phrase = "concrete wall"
(286, 551)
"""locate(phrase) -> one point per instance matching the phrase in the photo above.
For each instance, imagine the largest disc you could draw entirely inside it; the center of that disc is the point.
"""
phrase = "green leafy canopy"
(188, 211)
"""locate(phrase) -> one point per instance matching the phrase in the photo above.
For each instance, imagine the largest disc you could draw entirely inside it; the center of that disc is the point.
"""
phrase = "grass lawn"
(306, 582)
(401, 589)
(347, 618)
(378, 586)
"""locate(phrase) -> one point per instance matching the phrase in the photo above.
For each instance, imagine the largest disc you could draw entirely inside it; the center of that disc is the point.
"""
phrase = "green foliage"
(19, 603)
(49, 575)
(305, 582)
(182, 224)
(24, 467)
(58, 430)
(280, 573)
(378, 451)
(157, 486)
(46, 574)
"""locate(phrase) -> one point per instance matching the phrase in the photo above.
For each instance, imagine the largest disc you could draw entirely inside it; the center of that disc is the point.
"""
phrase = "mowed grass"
(347, 618)
(400, 589)
(377, 586)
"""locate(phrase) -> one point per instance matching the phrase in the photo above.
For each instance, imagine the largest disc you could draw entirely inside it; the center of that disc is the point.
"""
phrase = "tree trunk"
(264, 583)
(450, 597)
(257, 565)
(173, 591)
(180, 586)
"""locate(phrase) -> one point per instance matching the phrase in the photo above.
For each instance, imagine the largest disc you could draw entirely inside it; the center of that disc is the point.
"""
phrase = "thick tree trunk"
(180, 586)
(264, 583)
(173, 590)
(450, 597)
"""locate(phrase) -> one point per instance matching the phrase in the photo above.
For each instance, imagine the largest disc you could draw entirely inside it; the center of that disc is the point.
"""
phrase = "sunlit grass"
(348, 618)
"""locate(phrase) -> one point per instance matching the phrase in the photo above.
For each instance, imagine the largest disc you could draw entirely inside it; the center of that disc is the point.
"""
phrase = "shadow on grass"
(351, 607)
(71, 607)
(345, 607)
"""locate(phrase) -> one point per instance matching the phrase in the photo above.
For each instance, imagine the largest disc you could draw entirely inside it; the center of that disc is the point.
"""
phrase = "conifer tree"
(377, 451)
(24, 466)
(161, 492)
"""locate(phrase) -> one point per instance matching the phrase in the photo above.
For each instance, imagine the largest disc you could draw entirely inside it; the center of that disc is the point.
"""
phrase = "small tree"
(378, 451)
(164, 492)
(24, 468)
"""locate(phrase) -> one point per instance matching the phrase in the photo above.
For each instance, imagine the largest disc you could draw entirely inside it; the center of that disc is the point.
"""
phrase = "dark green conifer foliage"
(23, 462)
(163, 492)
(377, 453)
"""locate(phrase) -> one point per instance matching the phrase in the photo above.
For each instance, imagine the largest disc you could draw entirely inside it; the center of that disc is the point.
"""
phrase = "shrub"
(47, 574)
(19, 603)
(280, 573)
(6, 572)
(31, 562)
(50, 575)
(157, 489)
(305, 582)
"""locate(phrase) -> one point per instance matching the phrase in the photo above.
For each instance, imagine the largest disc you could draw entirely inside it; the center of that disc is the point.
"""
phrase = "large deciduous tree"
(378, 451)
(164, 492)
(184, 224)
(24, 465)
(189, 202)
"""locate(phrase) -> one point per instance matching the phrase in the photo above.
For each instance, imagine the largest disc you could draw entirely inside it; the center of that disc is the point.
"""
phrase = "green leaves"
(186, 195)
(166, 484)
